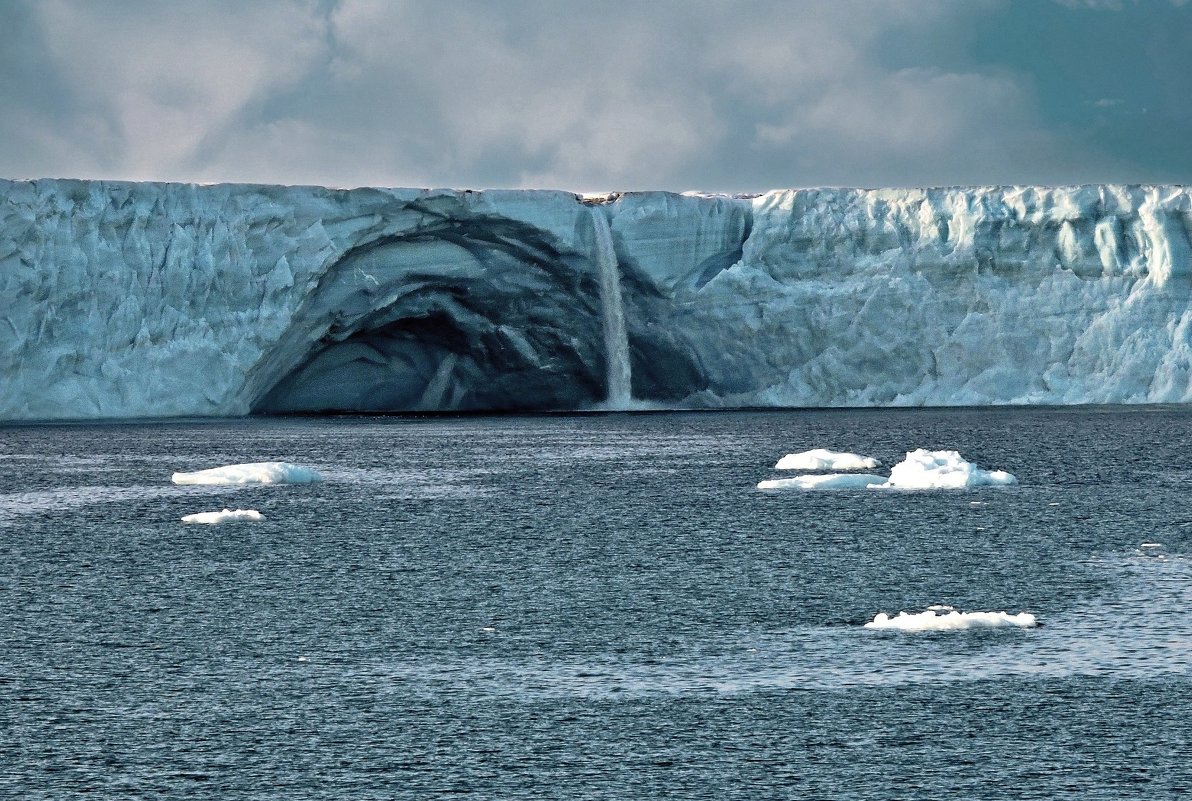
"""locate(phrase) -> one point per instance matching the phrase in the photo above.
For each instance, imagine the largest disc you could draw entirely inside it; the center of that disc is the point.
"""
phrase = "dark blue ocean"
(596, 606)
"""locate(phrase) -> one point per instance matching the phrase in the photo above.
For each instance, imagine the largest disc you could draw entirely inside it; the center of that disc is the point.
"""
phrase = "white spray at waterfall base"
(616, 340)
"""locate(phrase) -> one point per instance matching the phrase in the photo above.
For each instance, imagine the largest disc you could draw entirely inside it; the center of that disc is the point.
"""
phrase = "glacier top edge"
(411, 192)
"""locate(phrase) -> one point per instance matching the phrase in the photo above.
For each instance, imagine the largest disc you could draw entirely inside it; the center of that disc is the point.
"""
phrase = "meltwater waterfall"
(616, 341)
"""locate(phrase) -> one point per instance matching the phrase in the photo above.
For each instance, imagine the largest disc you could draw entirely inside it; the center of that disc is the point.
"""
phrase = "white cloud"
(918, 115)
(613, 95)
(564, 101)
(165, 77)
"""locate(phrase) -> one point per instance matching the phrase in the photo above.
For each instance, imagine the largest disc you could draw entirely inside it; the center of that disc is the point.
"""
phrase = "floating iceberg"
(937, 618)
(823, 459)
(252, 473)
(226, 516)
(924, 469)
(920, 470)
(825, 481)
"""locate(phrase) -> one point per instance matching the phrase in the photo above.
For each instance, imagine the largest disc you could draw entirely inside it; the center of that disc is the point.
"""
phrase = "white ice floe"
(226, 516)
(945, 618)
(823, 459)
(825, 481)
(924, 469)
(920, 470)
(253, 473)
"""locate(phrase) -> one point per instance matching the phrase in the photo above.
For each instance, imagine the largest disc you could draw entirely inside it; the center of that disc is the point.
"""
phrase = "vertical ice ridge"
(616, 340)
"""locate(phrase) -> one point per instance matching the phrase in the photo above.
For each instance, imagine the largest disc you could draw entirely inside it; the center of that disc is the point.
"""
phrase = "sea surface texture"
(596, 607)
(124, 300)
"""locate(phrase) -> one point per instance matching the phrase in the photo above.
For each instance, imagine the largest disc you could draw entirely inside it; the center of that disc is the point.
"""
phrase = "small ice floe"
(946, 618)
(823, 459)
(226, 516)
(923, 469)
(825, 481)
(252, 473)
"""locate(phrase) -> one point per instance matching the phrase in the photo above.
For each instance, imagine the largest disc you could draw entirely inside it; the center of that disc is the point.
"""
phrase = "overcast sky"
(587, 96)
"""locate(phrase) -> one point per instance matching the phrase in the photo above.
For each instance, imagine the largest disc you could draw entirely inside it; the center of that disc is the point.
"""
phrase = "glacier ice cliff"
(145, 300)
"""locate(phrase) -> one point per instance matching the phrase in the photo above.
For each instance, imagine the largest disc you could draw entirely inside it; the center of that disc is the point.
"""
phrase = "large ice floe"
(251, 473)
(226, 516)
(920, 470)
(150, 299)
(945, 618)
(824, 459)
(924, 469)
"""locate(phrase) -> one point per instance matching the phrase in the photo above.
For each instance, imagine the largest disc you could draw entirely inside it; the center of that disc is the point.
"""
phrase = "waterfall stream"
(616, 341)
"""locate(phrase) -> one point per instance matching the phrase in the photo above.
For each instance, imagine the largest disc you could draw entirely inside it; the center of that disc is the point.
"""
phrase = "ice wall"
(129, 300)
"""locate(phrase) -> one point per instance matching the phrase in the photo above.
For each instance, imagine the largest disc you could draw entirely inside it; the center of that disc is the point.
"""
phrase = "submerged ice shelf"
(144, 300)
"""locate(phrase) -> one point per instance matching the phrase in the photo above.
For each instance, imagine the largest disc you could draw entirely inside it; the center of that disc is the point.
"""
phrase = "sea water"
(599, 606)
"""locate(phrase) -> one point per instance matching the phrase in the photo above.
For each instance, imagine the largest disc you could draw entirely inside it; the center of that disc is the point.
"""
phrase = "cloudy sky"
(682, 95)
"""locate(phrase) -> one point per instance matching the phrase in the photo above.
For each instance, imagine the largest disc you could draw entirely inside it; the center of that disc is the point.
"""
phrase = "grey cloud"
(582, 96)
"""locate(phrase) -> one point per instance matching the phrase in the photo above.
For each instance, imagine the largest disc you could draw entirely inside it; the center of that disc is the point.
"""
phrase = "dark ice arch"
(484, 314)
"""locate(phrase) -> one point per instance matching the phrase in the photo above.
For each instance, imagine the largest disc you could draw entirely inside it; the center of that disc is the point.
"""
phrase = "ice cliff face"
(122, 299)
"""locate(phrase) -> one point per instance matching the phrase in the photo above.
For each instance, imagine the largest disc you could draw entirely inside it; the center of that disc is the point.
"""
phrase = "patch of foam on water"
(945, 618)
(251, 473)
(924, 469)
(824, 459)
(226, 516)
(825, 481)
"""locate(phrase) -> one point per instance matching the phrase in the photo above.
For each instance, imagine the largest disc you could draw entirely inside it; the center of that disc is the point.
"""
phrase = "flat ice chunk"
(824, 459)
(226, 516)
(924, 469)
(937, 618)
(253, 473)
(825, 481)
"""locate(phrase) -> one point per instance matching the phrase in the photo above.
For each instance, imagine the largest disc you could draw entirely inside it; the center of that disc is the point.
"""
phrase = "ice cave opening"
(450, 319)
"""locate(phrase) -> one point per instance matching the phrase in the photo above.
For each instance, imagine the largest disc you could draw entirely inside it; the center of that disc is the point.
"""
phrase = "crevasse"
(143, 300)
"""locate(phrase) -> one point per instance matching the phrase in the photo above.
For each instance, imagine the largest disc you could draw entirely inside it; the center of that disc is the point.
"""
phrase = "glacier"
(124, 300)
